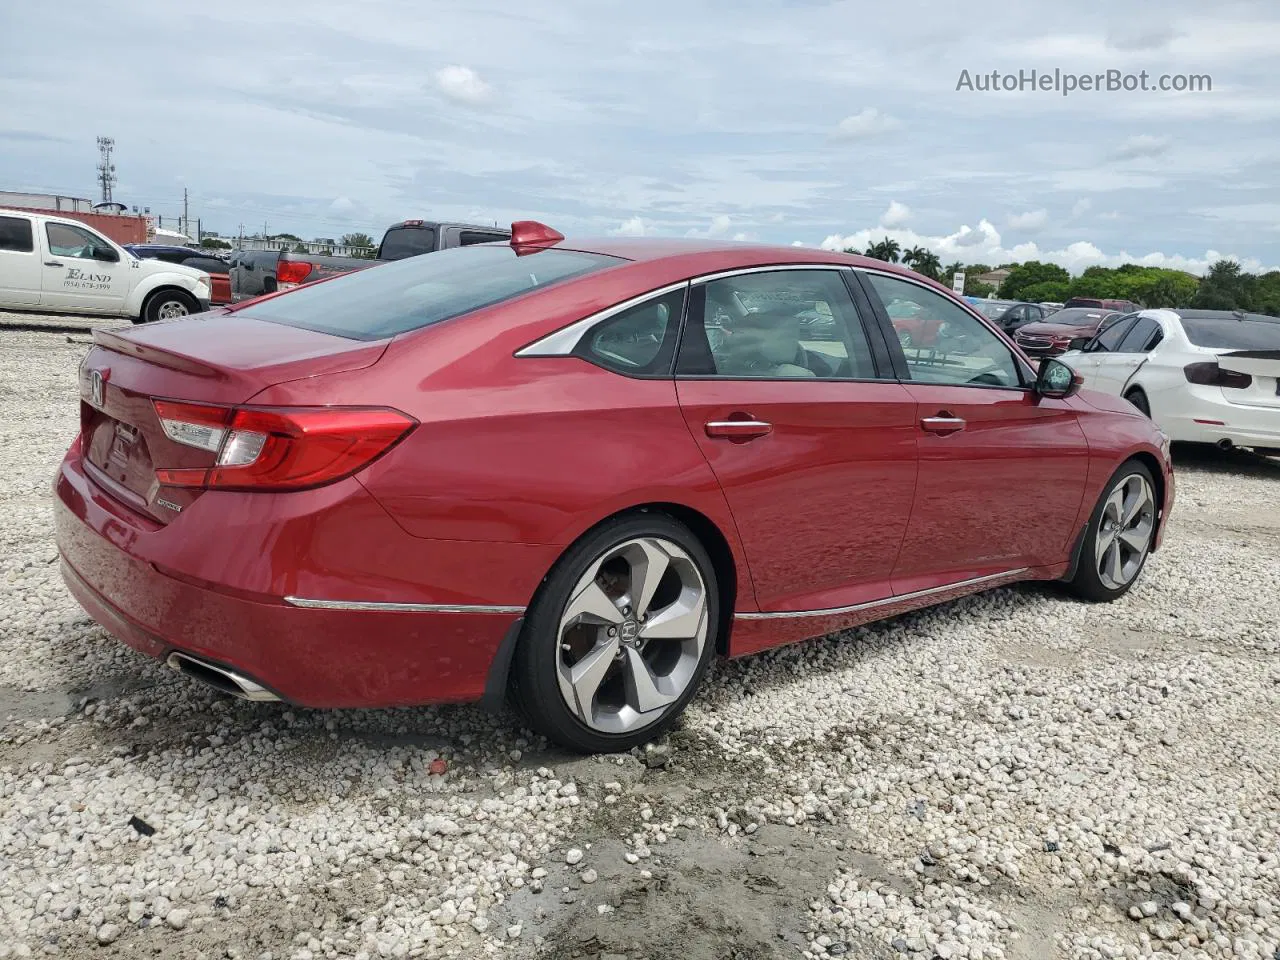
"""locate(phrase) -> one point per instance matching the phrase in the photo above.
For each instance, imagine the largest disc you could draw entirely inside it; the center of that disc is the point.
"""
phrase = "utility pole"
(106, 169)
(186, 220)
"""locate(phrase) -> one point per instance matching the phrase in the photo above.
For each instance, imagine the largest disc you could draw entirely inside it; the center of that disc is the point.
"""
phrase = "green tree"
(910, 256)
(973, 287)
(1224, 287)
(361, 243)
(928, 264)
(300, 248)
(292, 238)
(1047, 291)
(886, 250)
(1029, 274)
(213, 243)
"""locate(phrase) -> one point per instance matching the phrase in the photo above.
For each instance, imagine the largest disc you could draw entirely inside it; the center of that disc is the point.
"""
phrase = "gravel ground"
(1012, 775)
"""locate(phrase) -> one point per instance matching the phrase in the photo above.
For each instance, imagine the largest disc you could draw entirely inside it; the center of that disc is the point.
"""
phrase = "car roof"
(708, 255)
(1225, 315)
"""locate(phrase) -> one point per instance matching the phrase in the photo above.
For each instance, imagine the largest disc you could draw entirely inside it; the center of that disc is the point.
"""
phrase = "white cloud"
(896, 215)
(634, 227)
(1142, 145)
(342, 205)
(868, 123)
(463, 85)
(719, 227)
(983, 244)
(1031, 220)
(1080, 207)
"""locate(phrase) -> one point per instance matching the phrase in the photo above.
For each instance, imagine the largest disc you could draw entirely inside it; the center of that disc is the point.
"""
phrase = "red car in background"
(574, 472)
(1053, 336)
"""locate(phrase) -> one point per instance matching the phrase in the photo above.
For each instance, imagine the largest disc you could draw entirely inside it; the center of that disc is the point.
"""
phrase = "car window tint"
(639, 341)
(1232, 334)
(207, 264)
(68, 241)
(951, 346)
(468, 237)
(1137, 340)
(401, 242)
(1110, 338)
(781, 324)
(395, 298)
(15, 235)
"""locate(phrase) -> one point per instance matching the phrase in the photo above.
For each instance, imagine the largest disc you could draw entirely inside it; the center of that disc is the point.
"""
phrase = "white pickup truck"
(56, 265)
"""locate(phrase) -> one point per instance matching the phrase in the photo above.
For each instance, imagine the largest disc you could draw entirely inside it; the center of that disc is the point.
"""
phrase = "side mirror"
(1079, 343)
(1056, 380)
(105, 254)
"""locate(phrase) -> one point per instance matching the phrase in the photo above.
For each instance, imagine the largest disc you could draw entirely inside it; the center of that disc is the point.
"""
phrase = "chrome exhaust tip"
(1224, 444)
(220, 678)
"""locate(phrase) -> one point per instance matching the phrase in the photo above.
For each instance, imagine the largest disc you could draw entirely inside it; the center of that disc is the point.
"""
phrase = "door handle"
(942, 424)
(744, 429)
(52, 263)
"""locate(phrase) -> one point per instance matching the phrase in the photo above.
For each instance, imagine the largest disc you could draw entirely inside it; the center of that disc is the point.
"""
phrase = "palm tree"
(927, 262)
(886, 250)
(912, 256)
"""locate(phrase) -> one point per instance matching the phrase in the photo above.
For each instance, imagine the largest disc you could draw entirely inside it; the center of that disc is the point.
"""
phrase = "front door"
(1002, 470)
(1117, 367)
(1089, 362)
(77, 281)
(816, 453)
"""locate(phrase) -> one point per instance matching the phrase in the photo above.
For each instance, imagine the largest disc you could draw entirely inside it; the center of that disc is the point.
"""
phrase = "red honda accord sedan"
(572, 473)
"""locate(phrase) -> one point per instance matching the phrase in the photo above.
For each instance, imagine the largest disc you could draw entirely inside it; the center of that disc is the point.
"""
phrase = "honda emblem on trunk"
(97, 388)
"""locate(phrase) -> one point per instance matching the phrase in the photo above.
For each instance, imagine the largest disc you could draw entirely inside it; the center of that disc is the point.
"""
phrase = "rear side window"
(395, 298)
(1110, 338)
(401, 242)
(207, 264)
(1232, 334)
(15, 235)
(640, 341)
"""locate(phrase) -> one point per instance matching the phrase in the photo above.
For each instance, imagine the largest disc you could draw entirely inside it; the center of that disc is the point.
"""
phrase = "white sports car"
(1205, 376)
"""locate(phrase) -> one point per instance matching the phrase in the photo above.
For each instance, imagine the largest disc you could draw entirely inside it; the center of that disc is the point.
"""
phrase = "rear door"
(20, 264)
(813, 445)
(77, 281)
(1002, 470)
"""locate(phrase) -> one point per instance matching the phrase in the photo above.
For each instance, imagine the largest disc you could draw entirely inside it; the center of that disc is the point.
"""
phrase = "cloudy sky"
(785, 121)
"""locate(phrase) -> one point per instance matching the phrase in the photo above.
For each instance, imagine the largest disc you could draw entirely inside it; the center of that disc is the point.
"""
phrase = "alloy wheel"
(1124, 531)
(631, 637)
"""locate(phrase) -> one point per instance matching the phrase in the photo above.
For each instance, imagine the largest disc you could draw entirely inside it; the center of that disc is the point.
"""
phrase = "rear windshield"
(394, 298)
(994, 309)
(1078, 317)
(1233, 334)
(401, 242)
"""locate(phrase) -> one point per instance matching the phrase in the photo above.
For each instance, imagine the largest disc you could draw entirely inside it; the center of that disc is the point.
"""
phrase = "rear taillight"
(1209, 374)
(293, 272)
(277, 448)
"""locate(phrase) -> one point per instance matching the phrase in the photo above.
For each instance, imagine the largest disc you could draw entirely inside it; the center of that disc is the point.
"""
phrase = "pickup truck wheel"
(168, 305)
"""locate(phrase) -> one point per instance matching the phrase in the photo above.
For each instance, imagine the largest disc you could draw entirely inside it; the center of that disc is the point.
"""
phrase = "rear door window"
(639, 341)
(1142, 336)
(1109, 339)
(416, 292)
(15, 235)
(468, 237)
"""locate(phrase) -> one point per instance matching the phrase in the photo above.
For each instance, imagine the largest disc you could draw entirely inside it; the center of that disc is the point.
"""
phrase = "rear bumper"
(1202, 415)
(124, 571)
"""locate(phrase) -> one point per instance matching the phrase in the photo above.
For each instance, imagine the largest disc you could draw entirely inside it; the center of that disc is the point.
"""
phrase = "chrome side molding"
(378, 606)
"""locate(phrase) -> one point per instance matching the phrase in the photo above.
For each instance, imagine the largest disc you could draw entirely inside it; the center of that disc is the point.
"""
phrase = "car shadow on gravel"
(1236, 462)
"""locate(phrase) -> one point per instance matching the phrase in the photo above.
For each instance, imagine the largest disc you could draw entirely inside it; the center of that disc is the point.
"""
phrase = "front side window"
(963, 350)
(15, 235)
(395, 298)
(778, 324)
(639, 341)
(68, 241)
(1109, 339)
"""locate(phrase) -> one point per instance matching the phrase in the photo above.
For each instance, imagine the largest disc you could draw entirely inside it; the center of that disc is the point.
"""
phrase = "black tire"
(160, 303)
(1138, 398)
(1087, 583)
(534, 685)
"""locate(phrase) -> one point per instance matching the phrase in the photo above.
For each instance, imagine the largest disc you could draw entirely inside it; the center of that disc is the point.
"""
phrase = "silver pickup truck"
(256, 272)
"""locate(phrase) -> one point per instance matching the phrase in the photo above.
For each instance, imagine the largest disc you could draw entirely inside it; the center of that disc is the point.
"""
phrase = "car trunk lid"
(221, 360)
(1263, 369)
